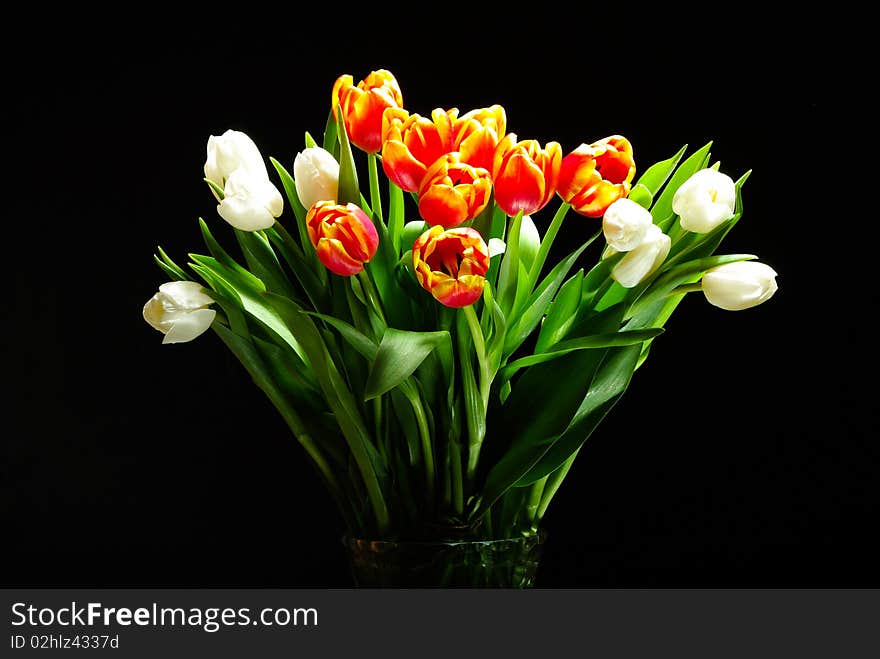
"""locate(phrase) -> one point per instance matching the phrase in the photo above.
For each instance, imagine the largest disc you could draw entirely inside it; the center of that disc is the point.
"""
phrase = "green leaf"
(614, 339)
(399, 355)
(341, 401)
(403, 411)
(170, 267)
(357, 340)
(411, 232)
(216, 189)
(611, 380)
(310, 141)
(299, 211)
(349, 192)
(330, 141)
(655, 176)
(539, 301)
(223, 257)
(561, 313)
(263, 262)
(662, 208)
(529, 242)
(641, 195)
(507, 277)
(252, 299)
(290, 251)
(645, 309)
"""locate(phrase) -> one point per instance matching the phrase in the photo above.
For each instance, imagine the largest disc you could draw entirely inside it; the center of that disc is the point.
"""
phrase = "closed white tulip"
(705, 200)
(625, 224)
(251, 202)
(642, 260)
(740, 285)
(316, 174)
(229, 152)
(180, 311)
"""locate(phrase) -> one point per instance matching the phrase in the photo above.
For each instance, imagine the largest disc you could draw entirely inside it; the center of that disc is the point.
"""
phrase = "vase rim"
(351, 540)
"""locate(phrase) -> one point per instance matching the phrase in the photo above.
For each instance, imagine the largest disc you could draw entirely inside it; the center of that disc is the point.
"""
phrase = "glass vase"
(505, 563)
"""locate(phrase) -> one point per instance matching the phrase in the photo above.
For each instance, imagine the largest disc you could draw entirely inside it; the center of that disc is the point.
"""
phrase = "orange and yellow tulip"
(453, 192)
(451, 264)
(525, 175)
(362, 106)
(412, 143)
(476, 135)
(594, 176)
(343, 236)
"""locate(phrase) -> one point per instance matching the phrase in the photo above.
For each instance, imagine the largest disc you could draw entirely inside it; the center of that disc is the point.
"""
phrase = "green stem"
(375, 198)
(547, 243)
(485, 383)
(372, 294)
(534, 501)
(425, 437)
(553, 481)
(600, 292)
(457, 480)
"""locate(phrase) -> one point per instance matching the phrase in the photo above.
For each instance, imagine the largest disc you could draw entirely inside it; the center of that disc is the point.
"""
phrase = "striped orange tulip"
(412, 143)
(362, 106)
(596, 175)
(525, 175)
(451, 264)
(453, 192)
(476, 134)
(343, 236)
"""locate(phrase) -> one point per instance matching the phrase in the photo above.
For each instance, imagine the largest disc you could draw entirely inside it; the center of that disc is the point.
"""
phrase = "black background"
(744, 453)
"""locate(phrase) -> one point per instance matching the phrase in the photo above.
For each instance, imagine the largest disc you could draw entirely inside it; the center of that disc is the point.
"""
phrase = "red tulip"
(362, 106)
(453, 192)
(412, 143)
(343, 236)
(451, 264)
(525, 175)
(476, 135)
(594, 176)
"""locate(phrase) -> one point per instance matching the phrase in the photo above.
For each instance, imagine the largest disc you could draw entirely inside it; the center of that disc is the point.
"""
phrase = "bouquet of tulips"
(438, 367)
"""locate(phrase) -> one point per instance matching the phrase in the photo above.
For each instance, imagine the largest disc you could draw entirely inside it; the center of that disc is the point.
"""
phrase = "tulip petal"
(334, 257)
(520, 186)
(401, 166)
(188, 326)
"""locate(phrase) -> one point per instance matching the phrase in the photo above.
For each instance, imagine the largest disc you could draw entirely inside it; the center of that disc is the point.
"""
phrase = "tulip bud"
(316, 175)
(343, 236)
(705, 200)
(594, 176)
(231, 151)
(251, 202)
(453, 192)
(362, 106)
(451, 264)
(525, 174)
(739, 285)
(644, 259)
(180, 311)
(625, 224)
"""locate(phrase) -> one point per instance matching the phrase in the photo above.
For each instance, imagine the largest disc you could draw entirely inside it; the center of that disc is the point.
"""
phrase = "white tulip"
(625, 224)
(496, 246)
(705, 200)
(740, 285)
(642, 260)
(229, 152)
(316, 174)
(180, 311)
(251, 202)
